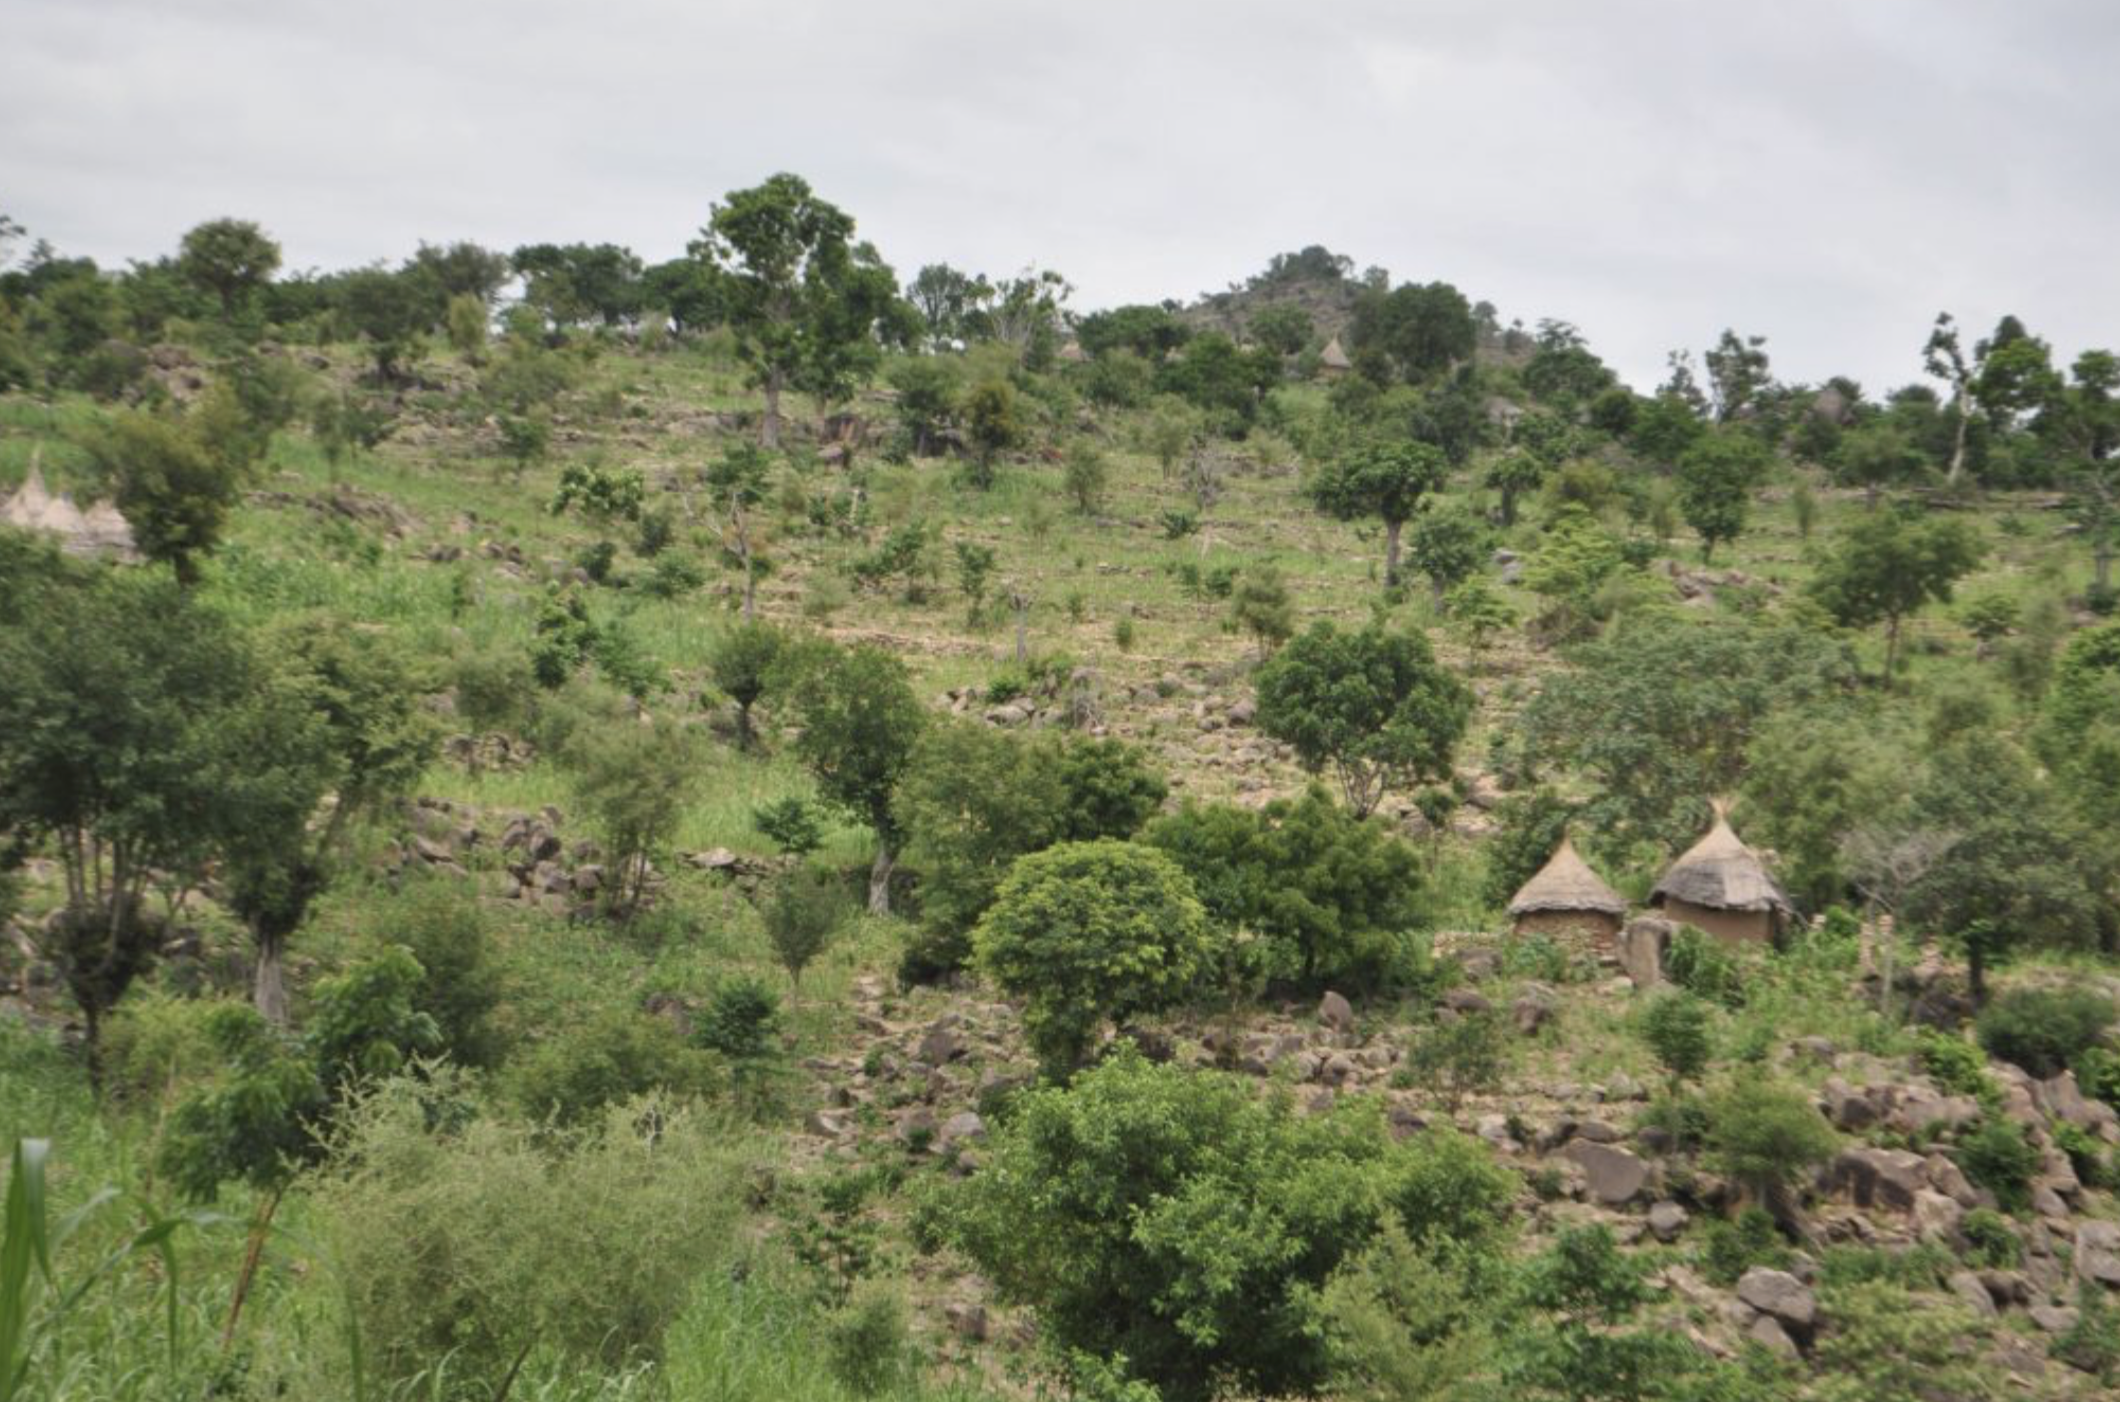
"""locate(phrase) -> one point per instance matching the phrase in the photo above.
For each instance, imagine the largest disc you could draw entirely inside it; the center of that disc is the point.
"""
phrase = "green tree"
(803, 298)
(1373, 705)
(975, 568)
(1675, 1025)
(1876, 456)
(1260, 605)
(1383, 480)
(1181, 1222)
(1515, 475)
(228, 259)
(1449, 546)
(974, 799)
(1766, 1135)
(632, 781)
(1578, 1293)
(1478, 613)
(1090, 932)
(465, 319)
(926, 406)
(174, 479)
(139, 736)
(1655, 717)
(1716, 477)
(1283, 329)
(391, 311)
(1086, 476)
(860, 722)
(736, 482)
(990, 421)
(1331, 898)
(1414, 332)
(744, 663)
(805, 911)
(368, 738)
(1888, 565)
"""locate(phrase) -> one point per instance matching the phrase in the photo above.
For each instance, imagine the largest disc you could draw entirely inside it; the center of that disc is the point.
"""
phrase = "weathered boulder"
(961, 1128)
(1336, 1012)
(1847, 1107)
(1641, 947)
(1667, 1220)
(1780, 1295)
(1767, 1332)
(2098, 1252)
(1937, 1217)
(1612, 1175)
(1968, 1287)
(1464, 1000)
(1533, 1009)
(1886, 1178)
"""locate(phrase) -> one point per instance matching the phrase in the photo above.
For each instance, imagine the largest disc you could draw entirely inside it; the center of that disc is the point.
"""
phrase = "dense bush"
(1701, 966)
(974, 799)
(600, 1059)
(1954, 1064)
(1997, 1155)
(1676, 1028)
(460, 988)
(473, 1245)
(2043, 1030)
(1764, 1134)
(1087, 932)
(1331, 897)
(1175, 1219)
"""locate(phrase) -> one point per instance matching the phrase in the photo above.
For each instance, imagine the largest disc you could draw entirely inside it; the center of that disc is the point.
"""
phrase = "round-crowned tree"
(1373, 705)
(1086, 932)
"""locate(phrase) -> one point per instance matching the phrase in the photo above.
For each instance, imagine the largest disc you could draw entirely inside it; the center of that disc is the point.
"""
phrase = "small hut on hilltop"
(1568, 899)
(1722, 887)
(1333, 360)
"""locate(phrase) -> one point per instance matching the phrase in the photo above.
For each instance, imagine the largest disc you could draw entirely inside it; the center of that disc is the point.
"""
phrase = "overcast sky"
(1826, 173)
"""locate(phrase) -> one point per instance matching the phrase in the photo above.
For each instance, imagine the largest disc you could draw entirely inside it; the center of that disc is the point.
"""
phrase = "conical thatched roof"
(1334, 358)
(1566, 883)
(1721, 873)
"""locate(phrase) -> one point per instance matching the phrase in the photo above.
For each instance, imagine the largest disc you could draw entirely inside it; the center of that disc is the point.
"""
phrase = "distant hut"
(1721, 886)
(1073, 354)
(1333, 361)
(1567, 898)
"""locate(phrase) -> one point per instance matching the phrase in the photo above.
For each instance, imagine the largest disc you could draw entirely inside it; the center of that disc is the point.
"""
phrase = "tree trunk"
(2102, 564)
(880, 878)
(750, 571)
(1965, 421)
(1391, 552)
(769, 427)
(1891, 648)
(269, 985)
(1023, 613)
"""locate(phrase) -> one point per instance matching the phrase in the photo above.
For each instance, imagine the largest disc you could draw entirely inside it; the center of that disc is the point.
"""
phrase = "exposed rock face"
(2098, 1252)
(1641, 947)
(1612, 1175)
(1886, 1178)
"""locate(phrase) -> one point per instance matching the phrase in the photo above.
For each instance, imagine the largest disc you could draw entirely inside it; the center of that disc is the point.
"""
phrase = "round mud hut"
(1722, 887)
(1568, 900)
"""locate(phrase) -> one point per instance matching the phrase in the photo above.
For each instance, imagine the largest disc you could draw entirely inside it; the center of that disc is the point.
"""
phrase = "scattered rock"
(1887, 1178)
(1667, 1220)
(1779, 1294)
(1613, 1176)
(1968, 1287)
(2098, 1252)
(960, 1128)
(1766, 1331)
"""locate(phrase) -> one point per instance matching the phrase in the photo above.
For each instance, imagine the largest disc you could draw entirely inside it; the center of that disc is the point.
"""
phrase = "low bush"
(470, 1246)
(2044, 1029)
(1997, 1155)
(1955, 1064)
(1734, 1245)
(1701, 966)
(601, 1059)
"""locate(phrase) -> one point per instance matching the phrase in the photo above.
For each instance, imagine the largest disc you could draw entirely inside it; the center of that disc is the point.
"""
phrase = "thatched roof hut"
(1073, 354)
(1567, 896)
(1722, 886)
(1333, 360)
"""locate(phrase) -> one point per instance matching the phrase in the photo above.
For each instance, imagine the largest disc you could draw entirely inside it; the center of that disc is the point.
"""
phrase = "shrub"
(1998, 1156)
(602, 1059)
(1177, 1220)
(633, 781)
(471, 1245)
(1456, 1058)
(791, 824)
(1887, 1345)
(1989, 1241)
(2043, 1030)
(1331, 897)
(1696, 963)
(1734, 1245)
(807, 908)
(1676, 1028)
(442, 924)
(869, 1347)
(1764, 1135)
(1089, 931)
(493, 687)
(1954, 1064)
